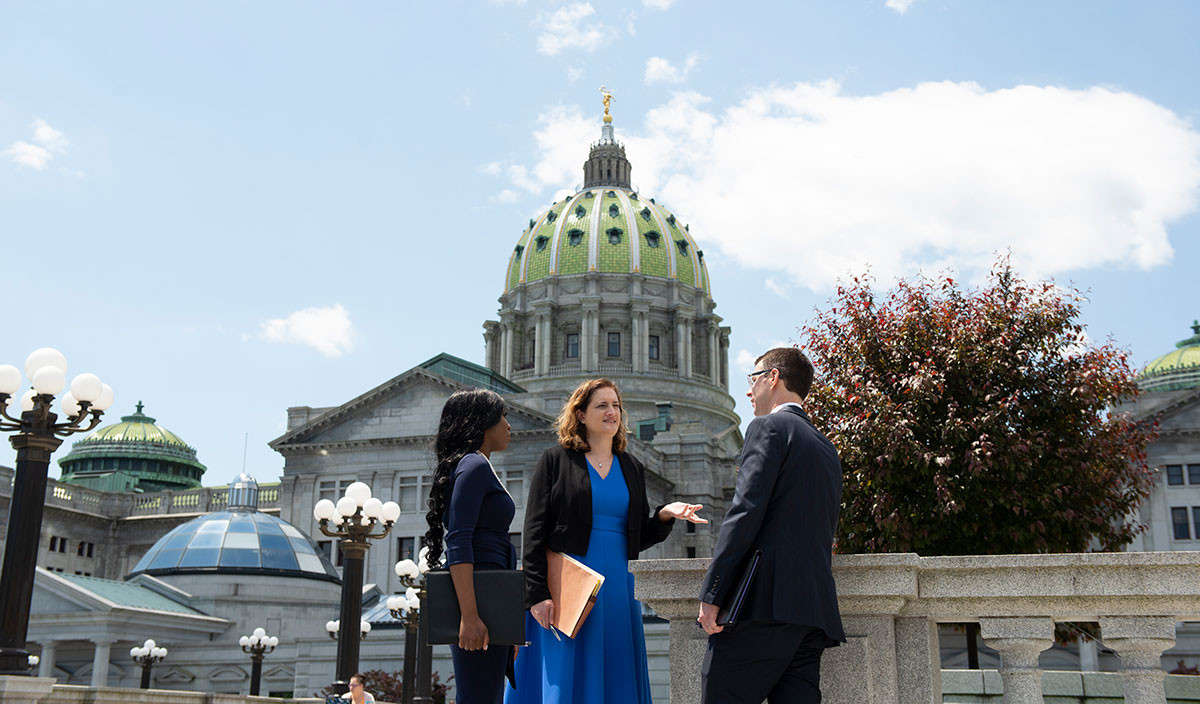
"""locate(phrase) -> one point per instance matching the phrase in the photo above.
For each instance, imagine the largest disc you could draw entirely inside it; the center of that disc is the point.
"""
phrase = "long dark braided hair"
(465, 418)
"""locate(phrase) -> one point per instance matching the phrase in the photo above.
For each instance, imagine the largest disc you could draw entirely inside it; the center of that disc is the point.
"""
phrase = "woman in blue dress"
(587, 498)
(470, 507)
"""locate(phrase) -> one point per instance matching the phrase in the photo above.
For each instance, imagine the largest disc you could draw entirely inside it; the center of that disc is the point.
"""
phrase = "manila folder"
(573, 587)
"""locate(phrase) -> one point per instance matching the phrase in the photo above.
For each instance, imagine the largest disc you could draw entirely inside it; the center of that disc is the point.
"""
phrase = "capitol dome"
(133, 455)
(609, 282)
(1176, 370)
(238, 540)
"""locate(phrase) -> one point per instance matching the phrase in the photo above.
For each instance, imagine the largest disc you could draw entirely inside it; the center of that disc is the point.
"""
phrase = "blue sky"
(179, 182)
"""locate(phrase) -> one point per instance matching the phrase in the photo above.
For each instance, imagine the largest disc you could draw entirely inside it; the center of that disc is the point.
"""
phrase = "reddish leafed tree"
(975, 421)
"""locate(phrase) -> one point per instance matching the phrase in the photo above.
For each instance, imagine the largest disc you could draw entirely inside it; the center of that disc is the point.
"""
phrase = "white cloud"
(506, 196)
(327, 330)
(49, 137)
(940, 175)
(658, 4)
(900, 6)
(659, 70)
(27, 154)
(49, 142)
(562, 29)
(492, 168)
(574, 73)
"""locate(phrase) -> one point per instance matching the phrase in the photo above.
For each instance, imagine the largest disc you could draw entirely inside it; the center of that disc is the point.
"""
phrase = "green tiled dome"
(607, 230)
(1177, 369)
(145, 454)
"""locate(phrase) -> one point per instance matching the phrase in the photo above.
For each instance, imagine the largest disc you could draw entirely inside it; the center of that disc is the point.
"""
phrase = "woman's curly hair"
(571, 432)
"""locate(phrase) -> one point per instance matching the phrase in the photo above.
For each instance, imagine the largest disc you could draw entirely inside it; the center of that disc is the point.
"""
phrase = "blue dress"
(606, 662)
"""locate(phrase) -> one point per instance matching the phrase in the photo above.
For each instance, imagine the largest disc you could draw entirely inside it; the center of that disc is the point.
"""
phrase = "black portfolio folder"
(728, 614)
(499, 597)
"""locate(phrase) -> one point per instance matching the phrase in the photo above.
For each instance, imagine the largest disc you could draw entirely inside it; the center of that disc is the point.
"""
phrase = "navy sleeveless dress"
(606, 662)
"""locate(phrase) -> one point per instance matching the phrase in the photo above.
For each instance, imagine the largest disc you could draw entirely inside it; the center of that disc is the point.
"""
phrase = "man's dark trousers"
(752, 661)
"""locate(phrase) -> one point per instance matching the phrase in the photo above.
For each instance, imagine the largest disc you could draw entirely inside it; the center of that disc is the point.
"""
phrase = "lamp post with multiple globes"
(147, 656)
(37, 434)
(257, 644)
(353, 517)
(407, 609)
(333, 627)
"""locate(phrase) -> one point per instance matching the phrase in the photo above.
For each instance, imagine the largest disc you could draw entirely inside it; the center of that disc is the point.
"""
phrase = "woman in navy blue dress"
(470, 509)
(587, 498)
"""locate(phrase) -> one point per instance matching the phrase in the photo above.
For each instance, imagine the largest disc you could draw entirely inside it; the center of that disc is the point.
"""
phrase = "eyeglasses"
(753, 375)
(356, 684)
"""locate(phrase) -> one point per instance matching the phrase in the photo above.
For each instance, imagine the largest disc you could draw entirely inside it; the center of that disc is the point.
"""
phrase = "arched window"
(613, 211)
(574, 237)
(541, 242)
(614, 235)
(580, 211)
(518, 249)
(646, 214)
(652, 239)
(551, 216)
(682, 244)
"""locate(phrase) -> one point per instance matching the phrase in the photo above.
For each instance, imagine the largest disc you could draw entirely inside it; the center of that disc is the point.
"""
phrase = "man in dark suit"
(789, 490)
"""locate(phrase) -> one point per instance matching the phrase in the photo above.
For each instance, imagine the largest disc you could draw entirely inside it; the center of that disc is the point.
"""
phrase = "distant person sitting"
(357, 694)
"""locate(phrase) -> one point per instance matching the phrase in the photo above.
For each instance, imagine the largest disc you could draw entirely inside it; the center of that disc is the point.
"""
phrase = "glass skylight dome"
(240, 540)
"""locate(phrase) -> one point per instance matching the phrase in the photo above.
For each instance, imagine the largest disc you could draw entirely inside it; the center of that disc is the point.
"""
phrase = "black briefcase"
(499, 597)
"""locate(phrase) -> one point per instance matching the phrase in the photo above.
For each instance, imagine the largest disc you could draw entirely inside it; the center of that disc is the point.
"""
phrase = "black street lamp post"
(353, 517)
(407, 610)
(257, 644)
(37, 435)
(147, 656)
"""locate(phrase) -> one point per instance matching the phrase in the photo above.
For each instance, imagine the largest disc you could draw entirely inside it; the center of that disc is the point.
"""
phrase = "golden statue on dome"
(608, 98)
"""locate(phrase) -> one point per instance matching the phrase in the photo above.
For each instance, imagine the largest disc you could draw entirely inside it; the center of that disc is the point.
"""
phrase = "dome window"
(541, 242)
(614, 235)
(589, 194)
(551, 216)
(671, 219)
(652, 239)
(531, 224)
(518, 249)
(682, 244)
(633, 196)
(612, 194)
(613, 211)
(574, 237)
(580, 211)
(646, 214)
(700, 253)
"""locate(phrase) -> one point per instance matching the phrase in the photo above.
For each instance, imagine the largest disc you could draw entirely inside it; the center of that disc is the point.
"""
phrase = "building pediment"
(173, 674)
(228, 673)
(1182, 415)
(403, 409)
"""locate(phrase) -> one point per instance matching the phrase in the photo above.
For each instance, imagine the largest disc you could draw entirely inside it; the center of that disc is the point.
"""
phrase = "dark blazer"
(789, 491)
(558, 513)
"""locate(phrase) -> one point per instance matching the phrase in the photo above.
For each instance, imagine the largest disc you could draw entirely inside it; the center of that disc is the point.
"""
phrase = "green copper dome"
(1177, 369)
(607, 230)
(133, 455)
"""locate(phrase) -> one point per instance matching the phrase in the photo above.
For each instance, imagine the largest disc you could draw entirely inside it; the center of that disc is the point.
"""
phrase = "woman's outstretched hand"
(472, 634)
(681, 510)
(543, 613)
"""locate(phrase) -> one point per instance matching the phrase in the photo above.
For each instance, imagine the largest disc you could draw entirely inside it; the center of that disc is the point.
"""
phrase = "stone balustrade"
(43, 690)
(118, 505)
(891, 606)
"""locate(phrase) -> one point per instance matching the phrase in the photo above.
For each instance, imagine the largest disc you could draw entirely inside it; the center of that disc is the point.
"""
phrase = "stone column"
(689, 336)
(724, 364)
(640, 310)
(918, 661)
(505, 349)
(714, 351)
(670, 588)
(1019, 641)
(491, 331)
(1140, 642)
(46, 666)
(100, 662)
(681, 347)
(588, 332)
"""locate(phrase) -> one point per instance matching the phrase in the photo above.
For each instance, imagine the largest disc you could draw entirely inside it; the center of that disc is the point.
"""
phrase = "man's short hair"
(795, 371)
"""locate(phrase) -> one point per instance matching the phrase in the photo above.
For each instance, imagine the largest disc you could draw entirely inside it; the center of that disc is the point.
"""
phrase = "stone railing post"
(672, 588)
(15, 689)
(1140, 642)
(1019, 642)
